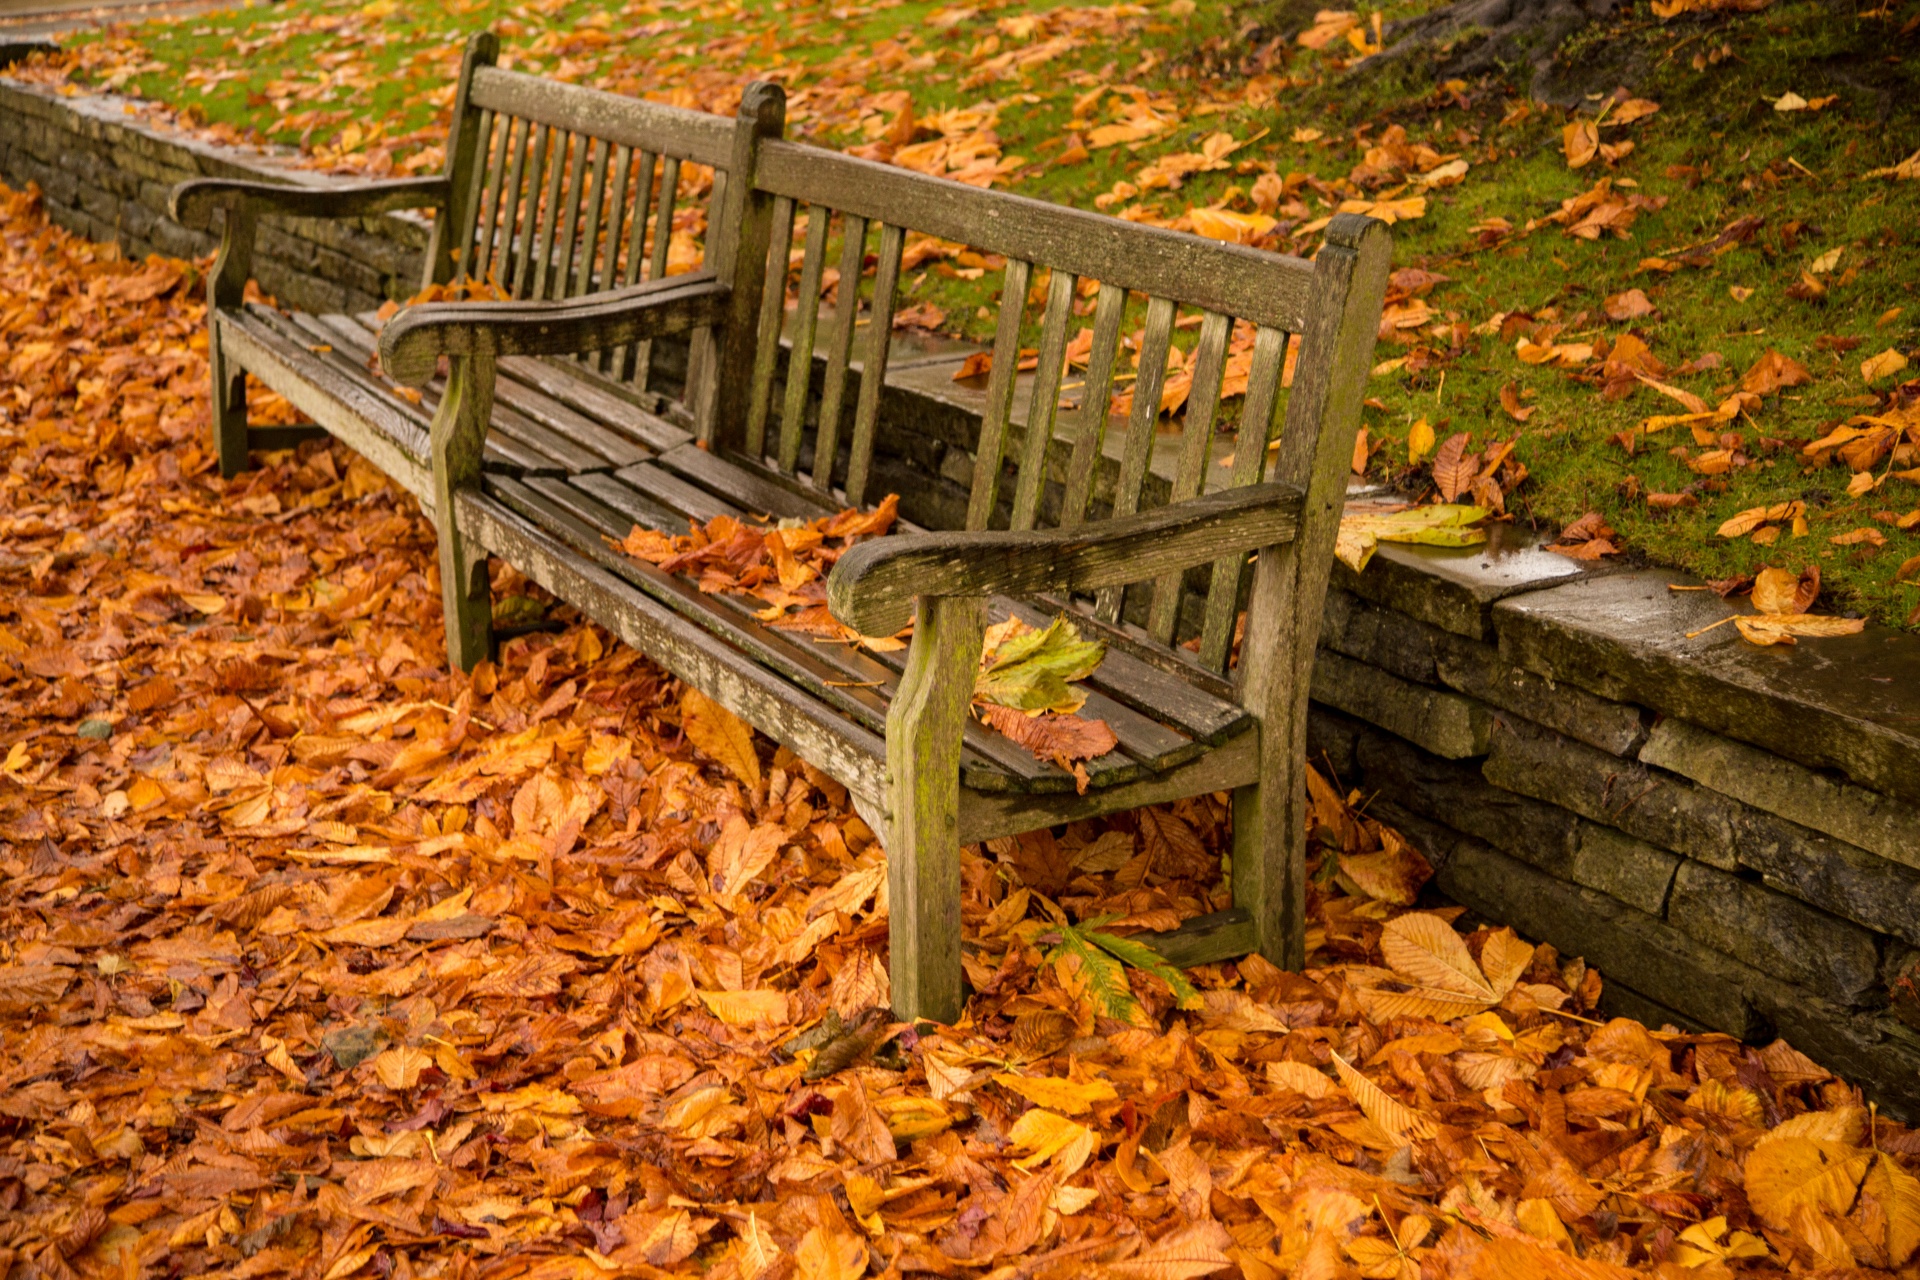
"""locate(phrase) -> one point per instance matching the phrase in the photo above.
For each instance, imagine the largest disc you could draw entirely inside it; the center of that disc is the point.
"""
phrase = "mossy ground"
(1717, 150)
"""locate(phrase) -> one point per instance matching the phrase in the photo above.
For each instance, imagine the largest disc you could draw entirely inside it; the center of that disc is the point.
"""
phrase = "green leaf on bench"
(1032, 670)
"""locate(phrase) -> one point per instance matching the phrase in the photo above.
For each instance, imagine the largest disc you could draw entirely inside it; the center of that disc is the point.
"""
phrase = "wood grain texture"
(1147, 385)
(874, 584)
(1092, 436)
(193, 202)
(1265, 288)
(1289, 586)
(634, 122)
(846, 312)
(1203, 401)
(873, 366)
(1044, 404)
(415, 338)
(806, 322)
(766, 345)
(226, 287)
(455, 221)
(924, 728)
(737, 252)
(458, 438)
(989, 453)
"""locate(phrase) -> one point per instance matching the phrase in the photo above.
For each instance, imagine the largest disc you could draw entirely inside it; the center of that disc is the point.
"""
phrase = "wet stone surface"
(1456, 589)
(1850, 703)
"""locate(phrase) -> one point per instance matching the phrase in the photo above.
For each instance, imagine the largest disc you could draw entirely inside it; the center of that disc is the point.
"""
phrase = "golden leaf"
(1299, 1078)
(1398, 1119)
(1184, 1254)
(825, 1254)
(720, 735)
(1899, 1195)
(1790, 1172)
(1504, 958)
(1074, 1097)
(1426, 950)
(1045, 1136)
(747, 1008)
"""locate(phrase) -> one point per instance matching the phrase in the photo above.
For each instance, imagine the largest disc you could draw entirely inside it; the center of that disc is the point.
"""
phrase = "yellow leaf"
(1781, 628)
(1581, 142)
(824, 1254)
(1899, 1195)
(912, 1118)
(1843, 1124)
(206, 602)
(1504, 959)
(1419, 440)
(1299, 1078)
(747, 1008)
(1874, 368)
(720, 735)
(1234, 228)
(1074, 1097)
(1789, 1173)
(399, 1068)
(1045, 1136)
(1427, 950)
(1398, 1119)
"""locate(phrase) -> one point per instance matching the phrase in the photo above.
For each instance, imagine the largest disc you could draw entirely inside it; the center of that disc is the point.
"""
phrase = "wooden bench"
(547, 435)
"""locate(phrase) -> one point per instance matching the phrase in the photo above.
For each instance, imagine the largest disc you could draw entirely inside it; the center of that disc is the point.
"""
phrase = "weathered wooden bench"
(545, 438)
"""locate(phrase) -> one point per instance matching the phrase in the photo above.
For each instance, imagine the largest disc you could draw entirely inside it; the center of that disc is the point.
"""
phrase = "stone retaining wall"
(105, 175)
(1730, 834)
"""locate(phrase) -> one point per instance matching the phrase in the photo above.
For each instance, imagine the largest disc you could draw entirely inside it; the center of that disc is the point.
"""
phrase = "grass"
(356, 85)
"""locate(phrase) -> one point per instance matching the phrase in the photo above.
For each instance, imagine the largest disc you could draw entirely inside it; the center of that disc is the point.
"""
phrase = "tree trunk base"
(1510, 33)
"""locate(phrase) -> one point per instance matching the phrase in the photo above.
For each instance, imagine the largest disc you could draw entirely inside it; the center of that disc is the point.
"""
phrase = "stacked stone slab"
(1730, 834)
(105, 174)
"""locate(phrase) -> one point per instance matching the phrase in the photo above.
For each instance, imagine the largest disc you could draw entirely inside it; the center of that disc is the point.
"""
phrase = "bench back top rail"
(1074, 279)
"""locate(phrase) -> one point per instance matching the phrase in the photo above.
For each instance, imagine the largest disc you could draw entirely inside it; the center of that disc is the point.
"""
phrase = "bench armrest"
(415, 339)
(193, 201)
(872, 588)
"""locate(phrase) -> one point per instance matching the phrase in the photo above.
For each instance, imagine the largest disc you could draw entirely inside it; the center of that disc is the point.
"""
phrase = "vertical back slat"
(583, 216)
(546, 236)
(622, 358)
(507, 238)
(619, 174)
(773, 307)
(529, 212)
(663, 210)
(846, 311)
(1107, 313)
(993, 422)
(873, 366)
(793, 412)
(1044, 406)
(1203, 401)
(463, 246)
(487, 229)
(1255, 429)
(1147, 386)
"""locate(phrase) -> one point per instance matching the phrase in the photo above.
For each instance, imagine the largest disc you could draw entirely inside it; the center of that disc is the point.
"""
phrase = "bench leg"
(1269, 816)
(923, 766)
(229, 410)
(458, 434)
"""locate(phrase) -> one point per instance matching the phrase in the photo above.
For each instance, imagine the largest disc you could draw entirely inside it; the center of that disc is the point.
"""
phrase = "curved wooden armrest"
(415, 339)
(192, 201)
(873, 586)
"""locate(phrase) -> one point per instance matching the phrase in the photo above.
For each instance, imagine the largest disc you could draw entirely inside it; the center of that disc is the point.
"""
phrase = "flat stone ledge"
(1850, 703)
(1841, 809)
(1456, 589)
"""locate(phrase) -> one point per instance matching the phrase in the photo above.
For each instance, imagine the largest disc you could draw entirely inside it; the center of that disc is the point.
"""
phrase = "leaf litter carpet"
(317, 959)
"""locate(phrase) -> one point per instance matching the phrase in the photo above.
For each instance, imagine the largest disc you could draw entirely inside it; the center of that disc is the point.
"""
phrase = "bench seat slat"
(1142, 738)
(848, 752)
(502, 452)
(992, 758)
(517, 442)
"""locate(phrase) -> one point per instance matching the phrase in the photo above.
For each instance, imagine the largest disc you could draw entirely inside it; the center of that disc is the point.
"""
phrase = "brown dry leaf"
(1629, 305)
(1400, 1121)
(1777, 591)
(1454, 468)
(1781, 628)
(1580, 142)
(1772, 371)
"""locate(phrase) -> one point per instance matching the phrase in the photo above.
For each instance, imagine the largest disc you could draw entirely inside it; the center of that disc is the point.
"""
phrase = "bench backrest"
(1248, 305)
(559, 190)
